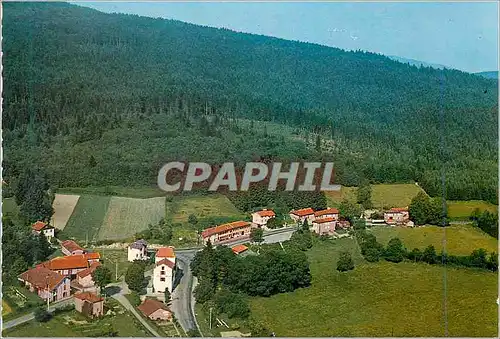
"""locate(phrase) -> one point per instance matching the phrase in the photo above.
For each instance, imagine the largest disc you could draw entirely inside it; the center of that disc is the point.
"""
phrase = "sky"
(458, 35)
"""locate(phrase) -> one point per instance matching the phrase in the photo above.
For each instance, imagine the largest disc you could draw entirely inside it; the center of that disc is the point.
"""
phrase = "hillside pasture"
(461, 210)
(203, 206)
(63, 205)
(394, 195)
(334, 198)
(381, 300)
(460, 239)
(6, 309)
(127, 216)
(87, 217)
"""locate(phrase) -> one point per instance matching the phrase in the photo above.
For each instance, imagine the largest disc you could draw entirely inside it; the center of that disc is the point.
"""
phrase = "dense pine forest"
(106, 99)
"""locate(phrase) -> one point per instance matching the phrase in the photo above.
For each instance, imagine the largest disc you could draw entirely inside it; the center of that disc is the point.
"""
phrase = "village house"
(260, 218)
(72, 264)
(238, 249)
(89, 304)
(328, 213)
(303, 214)
(138, 250)
(323, 226)
(41, 227)
(230, 231)
(46, 283)
(84, 281)
(69, 247)
(397, 216)
(155, 310)
(164, 271)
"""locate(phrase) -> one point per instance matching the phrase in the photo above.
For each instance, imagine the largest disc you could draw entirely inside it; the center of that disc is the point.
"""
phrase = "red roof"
(165, 252)
(266, 213)
(71, 246)
(303, 212)
(89, 270)
(326, 212)
(398, 209)
(150, 306)
(92, 256)
(87, 296)
(239, 249)
(165, 262)
(323, 220)
(41, 276)
(40, 225)
(67, 262)
(222, 228)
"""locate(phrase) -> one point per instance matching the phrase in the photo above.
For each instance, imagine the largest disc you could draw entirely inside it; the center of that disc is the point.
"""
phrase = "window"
(162, 272)
(162, 279)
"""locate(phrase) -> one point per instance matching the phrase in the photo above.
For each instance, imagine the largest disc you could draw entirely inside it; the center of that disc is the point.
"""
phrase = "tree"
(257, 235)
(492, 264)
(395, 251)
(193, 333)
(101, 276)
(318, 143)
(41, 314)
(305, 226)
(372, 254)
(364, 195)
(478, 258)
(429, 256)
(275, 223)
(41, 248)
(135, 276)
(33, 196)
(167, 295)
(192, 219)
(349, 210)
(419, 208)
(345, 262)
(415, 255)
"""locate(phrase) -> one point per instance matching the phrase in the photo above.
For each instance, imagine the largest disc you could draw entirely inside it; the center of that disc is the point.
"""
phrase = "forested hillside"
(106, 99)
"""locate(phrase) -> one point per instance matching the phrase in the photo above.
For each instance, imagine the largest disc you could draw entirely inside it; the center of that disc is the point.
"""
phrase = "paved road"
(31, 316)
(183, 298)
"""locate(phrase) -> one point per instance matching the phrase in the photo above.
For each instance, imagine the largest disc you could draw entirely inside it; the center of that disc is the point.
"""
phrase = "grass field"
(111, 257)
(128, 192)
(460, 239)
(63, 205)
(203, 206)
(394, 195)
(461, 210)
(5, 308)
(127, 216)
(383, 195)
(335, 198)
(87, 218)
(381, 299)
(73, 324)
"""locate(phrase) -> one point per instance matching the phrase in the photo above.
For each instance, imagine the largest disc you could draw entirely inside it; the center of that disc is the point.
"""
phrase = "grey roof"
(139, 244)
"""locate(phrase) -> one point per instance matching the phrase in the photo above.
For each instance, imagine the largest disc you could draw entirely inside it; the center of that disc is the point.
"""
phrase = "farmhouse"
(41, 227)
(302, 214)
(164, 271)
(328, 213)
(89, 304)
(72, 264)
(324, 225)
(84, 281)
(233, 230)
(238, 249)
(155, 310)
(46, 283)
(397, 216)
(69, 247)
(138, 250)
(260, 218)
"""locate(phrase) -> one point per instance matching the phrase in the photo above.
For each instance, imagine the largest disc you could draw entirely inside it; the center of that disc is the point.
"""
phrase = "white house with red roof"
(46, 283)
(327, 213)
(164, 271)
(302, 214)
(397, 216)
(44, 228)
(260, 218)
(226, 232)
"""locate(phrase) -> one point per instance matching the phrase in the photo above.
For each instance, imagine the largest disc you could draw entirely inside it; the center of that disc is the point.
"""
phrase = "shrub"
(345, 262)
(41, 315)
